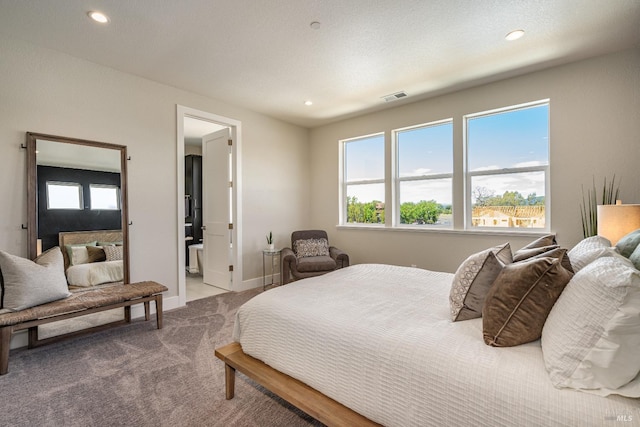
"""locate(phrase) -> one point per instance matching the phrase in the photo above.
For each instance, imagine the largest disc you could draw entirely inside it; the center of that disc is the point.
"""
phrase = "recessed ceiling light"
(307, 103)
(514, 35)
(98, 17)
(315, 25)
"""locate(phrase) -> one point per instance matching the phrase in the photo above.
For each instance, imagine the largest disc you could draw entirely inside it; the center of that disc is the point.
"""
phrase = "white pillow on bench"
(27, 283)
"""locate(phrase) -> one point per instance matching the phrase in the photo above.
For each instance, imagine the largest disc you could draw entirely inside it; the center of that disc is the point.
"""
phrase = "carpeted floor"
(136, 375)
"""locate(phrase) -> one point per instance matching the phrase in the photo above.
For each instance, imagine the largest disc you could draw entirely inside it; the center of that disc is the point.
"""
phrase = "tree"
(423, 212)
(482, 195)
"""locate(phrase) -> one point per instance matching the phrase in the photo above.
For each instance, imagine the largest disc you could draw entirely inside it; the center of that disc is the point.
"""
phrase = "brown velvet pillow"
(520, 300)
(526, 253)
(473, 279)
(96, 254)
(559, 253)
(547, 240)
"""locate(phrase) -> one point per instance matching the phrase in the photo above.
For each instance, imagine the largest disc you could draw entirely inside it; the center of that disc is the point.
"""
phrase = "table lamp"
(616, 221)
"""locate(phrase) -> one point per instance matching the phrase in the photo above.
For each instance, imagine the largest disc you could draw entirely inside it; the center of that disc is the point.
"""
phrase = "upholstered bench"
(80, 303)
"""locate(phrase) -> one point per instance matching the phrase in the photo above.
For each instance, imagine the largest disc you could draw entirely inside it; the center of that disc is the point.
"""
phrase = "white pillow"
(588, 250)
(29, 283)
(79, 255)
(591, 339)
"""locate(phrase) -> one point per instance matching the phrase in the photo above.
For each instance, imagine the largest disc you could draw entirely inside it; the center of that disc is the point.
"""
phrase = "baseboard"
(20, 338)
(254, 283)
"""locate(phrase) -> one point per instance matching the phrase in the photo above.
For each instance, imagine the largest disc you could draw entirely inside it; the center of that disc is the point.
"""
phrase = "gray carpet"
(136, 375)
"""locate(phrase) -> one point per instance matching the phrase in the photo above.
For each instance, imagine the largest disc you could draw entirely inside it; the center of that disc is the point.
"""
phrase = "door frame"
(236, 135)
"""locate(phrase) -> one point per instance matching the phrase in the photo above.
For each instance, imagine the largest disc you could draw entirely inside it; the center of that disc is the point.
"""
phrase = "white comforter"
(379, 339)
(95, 273)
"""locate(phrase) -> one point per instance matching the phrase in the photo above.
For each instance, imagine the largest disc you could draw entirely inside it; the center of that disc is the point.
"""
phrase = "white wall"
(595, 132)
(48, 92)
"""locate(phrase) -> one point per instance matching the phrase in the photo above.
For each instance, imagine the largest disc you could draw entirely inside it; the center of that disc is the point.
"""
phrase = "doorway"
(192, 126)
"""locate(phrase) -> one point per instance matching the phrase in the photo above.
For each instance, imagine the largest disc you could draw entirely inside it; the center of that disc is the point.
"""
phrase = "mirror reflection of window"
(104, 197)
(64, 195)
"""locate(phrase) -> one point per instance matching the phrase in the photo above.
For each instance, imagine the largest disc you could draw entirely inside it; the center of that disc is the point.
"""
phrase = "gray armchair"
(298, 265)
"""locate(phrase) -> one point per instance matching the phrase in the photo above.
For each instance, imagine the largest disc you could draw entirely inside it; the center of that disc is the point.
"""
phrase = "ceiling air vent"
(394, 96)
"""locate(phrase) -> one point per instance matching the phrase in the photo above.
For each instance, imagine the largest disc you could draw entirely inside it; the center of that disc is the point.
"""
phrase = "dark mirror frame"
(32, 189)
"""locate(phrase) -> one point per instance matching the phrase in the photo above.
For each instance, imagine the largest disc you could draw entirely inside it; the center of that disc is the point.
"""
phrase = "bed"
(377, 341)
(85, 261)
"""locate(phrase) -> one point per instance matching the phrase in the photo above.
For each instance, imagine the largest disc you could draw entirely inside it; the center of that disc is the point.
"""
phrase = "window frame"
(468, 175)
(77, 185)
(344, 183)
(397, 179)
(115, 187)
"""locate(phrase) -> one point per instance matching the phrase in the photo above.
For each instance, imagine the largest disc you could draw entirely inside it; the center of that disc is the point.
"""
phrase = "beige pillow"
(591, 339)
(80, 254)
(113, 253)
(29, 283)
(520, 300)
(473, 279)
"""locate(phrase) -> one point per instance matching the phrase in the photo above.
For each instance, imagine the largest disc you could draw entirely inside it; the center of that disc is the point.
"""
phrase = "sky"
(504, 140)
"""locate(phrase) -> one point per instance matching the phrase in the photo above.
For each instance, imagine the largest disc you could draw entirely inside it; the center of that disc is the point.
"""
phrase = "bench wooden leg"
(159, 310)
(33, 337)
(230, 381)
(5, 344)
(147, 310)
(127, 314)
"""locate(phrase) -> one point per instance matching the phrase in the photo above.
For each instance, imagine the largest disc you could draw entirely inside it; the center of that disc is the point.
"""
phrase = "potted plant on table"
(270, 241)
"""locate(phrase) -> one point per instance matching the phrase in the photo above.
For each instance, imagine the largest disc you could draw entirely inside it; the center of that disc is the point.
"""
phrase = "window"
(424, 181)
(104, 197)
(64, 195)
(508, 167)
(363, 187)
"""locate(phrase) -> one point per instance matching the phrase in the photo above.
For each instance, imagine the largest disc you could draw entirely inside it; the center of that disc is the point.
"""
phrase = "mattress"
(95, 273)
(379, 340)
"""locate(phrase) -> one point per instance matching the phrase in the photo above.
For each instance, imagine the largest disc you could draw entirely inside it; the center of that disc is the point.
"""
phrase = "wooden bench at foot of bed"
(297, 393)
(79, 304)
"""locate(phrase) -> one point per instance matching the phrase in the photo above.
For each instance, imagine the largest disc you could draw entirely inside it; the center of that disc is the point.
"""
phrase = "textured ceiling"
(265, 56)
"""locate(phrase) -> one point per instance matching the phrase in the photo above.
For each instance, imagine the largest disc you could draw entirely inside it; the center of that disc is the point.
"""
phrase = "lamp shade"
(616, 221)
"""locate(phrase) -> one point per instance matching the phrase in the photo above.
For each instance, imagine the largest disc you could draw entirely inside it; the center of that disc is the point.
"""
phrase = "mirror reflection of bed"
(95, 172)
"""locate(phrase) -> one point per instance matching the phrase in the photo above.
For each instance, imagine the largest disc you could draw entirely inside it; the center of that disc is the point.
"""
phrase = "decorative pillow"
(588, 250)
(80, 254)
(526, 253)
(547, 240)
(591, 340)
(311, 247)
(520, 300)
(473, 279)
(113, 253)
(559, 253)
(628, 243)
(110, 243)
(96, 254)
(29, 283)
(635, 258)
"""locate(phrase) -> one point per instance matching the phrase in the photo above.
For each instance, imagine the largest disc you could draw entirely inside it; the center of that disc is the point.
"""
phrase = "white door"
(216, 208)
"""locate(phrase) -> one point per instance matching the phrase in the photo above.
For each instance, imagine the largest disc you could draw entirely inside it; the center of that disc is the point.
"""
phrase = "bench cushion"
(84, 300)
